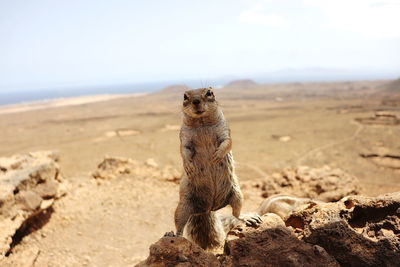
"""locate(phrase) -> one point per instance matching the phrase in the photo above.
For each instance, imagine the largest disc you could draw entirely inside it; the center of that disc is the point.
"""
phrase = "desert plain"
(352, 125)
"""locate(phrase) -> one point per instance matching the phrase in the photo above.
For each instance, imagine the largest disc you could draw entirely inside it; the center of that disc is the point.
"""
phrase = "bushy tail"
(206, 230)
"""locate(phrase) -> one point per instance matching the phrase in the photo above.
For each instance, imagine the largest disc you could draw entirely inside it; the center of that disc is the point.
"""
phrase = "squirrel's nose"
(196, 101)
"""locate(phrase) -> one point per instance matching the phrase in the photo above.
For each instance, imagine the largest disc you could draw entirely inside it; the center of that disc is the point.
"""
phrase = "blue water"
(22, 96)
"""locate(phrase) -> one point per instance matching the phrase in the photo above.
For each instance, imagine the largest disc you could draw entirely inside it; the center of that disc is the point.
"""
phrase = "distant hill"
(393, 87)
(241, 84)
(173, 89)
(389, 92)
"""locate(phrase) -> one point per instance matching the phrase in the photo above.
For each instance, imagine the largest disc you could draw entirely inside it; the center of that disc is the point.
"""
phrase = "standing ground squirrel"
(209, 182)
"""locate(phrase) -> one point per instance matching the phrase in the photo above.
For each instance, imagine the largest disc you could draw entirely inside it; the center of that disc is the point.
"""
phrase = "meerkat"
(209, 182)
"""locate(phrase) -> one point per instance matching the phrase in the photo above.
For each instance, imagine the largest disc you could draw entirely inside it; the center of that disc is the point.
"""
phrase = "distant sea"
(19, 96)
(30, 95)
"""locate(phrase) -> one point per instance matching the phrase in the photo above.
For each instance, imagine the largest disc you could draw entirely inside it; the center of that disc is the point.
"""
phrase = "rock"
(151, 163)
(28, 184)
(29, 200)
(111, 167)
(113, 163)
(62, 190)
(178, 251)
(323, 184)
(357, 231)
(169, 127)
(171, 174)
(273, 244)
(127, 132)
(271, 220)
(46, 204)
(285, 138)
(282, 138)
(47, 190)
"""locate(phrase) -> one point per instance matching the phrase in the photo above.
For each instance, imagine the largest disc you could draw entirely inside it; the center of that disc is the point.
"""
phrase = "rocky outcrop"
(29, 184)
(357, 231)
(325, 184)
(178, 251)
(271, 244)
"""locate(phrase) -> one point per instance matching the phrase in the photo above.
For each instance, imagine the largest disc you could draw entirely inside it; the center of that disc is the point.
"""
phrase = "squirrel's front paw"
(251, 219)
(217, 157)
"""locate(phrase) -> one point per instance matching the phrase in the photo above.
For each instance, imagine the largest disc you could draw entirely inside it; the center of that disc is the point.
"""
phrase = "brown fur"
(209, 182)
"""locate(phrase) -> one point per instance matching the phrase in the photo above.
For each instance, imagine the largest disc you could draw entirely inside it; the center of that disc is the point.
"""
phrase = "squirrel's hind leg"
(236, 204)
(182, 215)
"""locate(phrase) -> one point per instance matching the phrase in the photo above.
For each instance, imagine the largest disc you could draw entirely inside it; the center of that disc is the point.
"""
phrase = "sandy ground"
(113, 222)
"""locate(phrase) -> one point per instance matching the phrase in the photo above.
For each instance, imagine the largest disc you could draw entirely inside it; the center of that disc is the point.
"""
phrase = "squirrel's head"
(199, 102)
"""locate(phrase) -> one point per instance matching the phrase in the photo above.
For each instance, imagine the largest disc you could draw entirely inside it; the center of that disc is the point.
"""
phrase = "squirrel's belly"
(217, 176)
(206, 168)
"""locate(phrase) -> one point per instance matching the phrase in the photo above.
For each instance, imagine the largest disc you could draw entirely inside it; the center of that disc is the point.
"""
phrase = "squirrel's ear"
(185, 97)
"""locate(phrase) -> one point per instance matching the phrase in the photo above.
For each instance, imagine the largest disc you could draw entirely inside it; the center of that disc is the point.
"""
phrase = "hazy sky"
(69, 42)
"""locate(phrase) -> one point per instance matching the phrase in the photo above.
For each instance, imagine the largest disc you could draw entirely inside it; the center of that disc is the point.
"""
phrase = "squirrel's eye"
(185, 97)
(209, 93)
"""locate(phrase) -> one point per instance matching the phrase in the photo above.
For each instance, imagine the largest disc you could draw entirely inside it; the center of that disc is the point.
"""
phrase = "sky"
(47, 43)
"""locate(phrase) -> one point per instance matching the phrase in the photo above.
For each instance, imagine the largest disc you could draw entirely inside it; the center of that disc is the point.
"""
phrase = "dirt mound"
(114, 167)
(357, 231)
(324, 183)
(29, 184)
